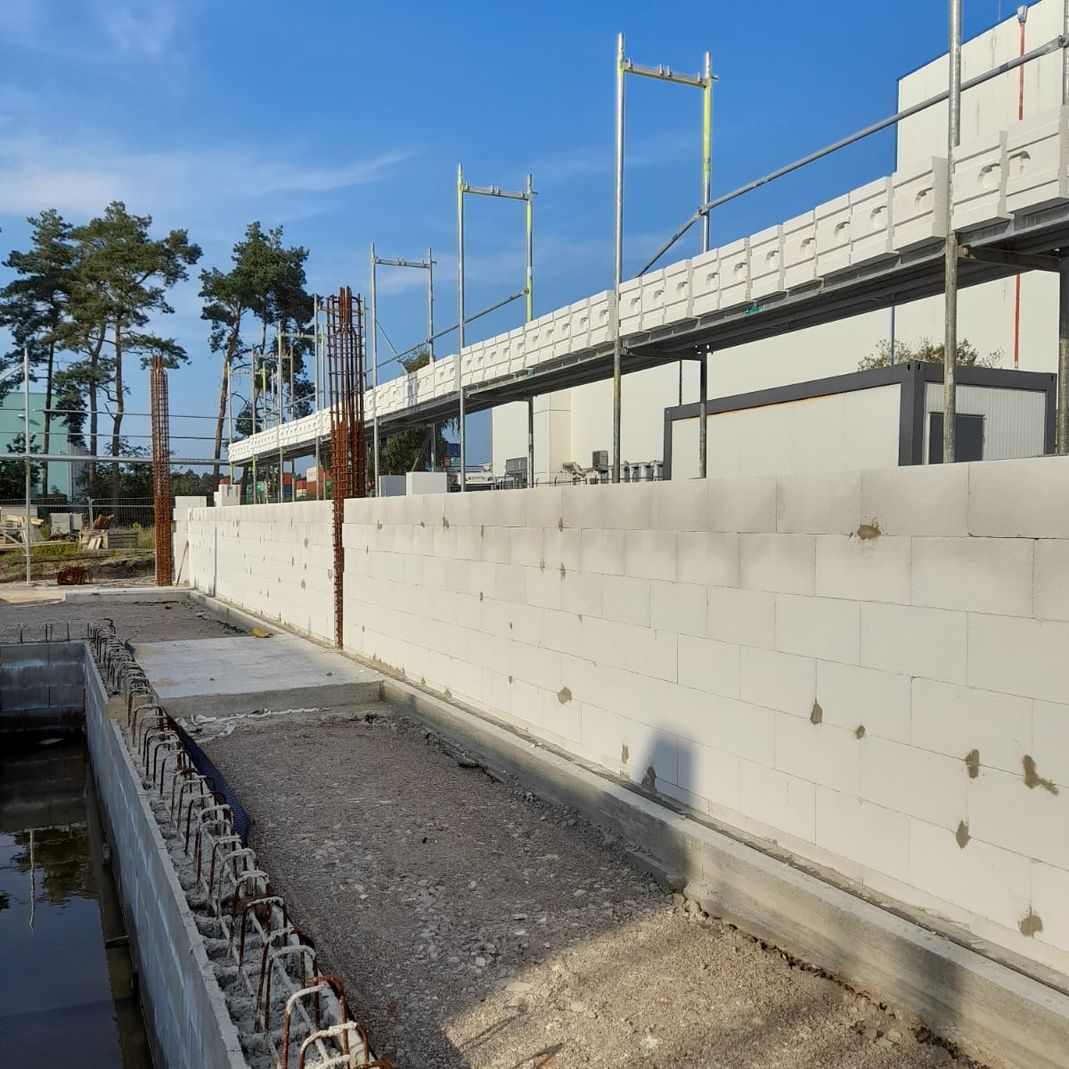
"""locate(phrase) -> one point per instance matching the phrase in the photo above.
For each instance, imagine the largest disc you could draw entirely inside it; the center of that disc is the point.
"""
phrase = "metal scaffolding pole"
(460, 319)
(950, 350)
(373, 337)
(703, 401)
(618, 261)
(1062, 435)
(704, 82)
(26, 449)
(530, 442)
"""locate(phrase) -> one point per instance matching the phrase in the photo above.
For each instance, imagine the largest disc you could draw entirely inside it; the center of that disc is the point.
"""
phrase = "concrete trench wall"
(184, 1009)
(41, 688)
(867, 669)
(275, 561)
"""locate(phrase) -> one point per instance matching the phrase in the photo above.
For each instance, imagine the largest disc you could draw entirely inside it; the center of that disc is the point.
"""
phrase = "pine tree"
(34, 305)
(266, 284)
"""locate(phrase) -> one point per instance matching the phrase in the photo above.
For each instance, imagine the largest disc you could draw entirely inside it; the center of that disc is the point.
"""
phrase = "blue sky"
(344, 123)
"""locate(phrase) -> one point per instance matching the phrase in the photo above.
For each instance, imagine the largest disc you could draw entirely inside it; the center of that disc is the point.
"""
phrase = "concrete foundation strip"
(233, 886)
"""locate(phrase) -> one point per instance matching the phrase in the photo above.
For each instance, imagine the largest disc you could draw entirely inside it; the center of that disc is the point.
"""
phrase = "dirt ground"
(141, 621)
(473, 925)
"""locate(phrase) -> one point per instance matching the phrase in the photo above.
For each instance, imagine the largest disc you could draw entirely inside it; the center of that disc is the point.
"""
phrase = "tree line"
(81, 303)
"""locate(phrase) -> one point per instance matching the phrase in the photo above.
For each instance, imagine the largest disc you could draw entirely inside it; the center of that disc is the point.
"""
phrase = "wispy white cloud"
(201, 182)
(145, 27)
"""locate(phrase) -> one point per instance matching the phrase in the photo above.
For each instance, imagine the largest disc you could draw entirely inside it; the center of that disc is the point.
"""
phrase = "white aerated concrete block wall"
(276, 561)
(919, 204)
(868, 668)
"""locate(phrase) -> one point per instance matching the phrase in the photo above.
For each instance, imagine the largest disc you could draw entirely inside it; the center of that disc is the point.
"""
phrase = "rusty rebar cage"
(161, 473)
(348, 452)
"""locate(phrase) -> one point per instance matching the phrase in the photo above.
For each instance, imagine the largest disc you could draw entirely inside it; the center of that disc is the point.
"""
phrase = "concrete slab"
(228, 676)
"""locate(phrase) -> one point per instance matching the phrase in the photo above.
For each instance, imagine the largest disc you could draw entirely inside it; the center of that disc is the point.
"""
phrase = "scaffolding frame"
(704, 82)
(377, 261)
(526, 196)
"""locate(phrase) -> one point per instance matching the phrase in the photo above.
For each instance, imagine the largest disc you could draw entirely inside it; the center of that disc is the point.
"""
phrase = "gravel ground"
(138, 621)
(474, 925)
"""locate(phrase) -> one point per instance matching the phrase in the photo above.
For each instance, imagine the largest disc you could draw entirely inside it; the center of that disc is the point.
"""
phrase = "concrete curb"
(988, 1009)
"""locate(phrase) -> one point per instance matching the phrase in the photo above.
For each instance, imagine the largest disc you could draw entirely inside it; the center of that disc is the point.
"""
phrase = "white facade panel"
(835, 432)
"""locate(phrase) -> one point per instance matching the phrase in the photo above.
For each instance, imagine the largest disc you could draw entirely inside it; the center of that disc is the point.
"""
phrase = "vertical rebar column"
(161, 473)
(703, 413)
(348, 456)
(529, 196)
(430, 305)
(618, 265)
(950, 350)
(460, 322)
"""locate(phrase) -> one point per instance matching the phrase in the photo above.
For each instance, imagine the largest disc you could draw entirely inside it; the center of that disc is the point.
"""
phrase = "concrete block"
(1037, 162)
(875, 837)
(741, 729)
(677, 291)
(925, 785)
(1050, 741)
(782, 802)
(1019, 656)
(818, 627)
(766, 263)
(581, 592)
(954, 720)
(980, 182)
(624, 506)
(783, 563)
(818, 503)
(650, 554)
(800, 250)
(679, 607)
(818, 753)
(709, 774)
(742, 504)
(734, 274)
(747, 617)
(1050, 892)
(923, 499)
(653, 299)
(707, 557)
(833, 236)
(914, 641)
(864, 569)
(776, 680)
(919, 204)
(626, 598)
(679, 505)
(705, 283)
(1051, 582)
(709, 665)
(526, 546)
(983, 879)
(602, 552)
(851, 697)
(992, 575)
(871, 232)
(1005, 812)
(631, 306)
(600, 319)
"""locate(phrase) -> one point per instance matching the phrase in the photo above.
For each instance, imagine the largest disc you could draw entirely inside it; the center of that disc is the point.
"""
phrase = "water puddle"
(67, 985)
